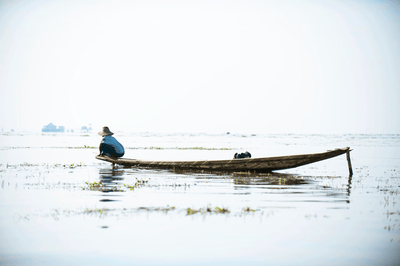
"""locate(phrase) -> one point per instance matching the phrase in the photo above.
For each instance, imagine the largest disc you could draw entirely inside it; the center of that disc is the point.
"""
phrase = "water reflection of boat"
(266, 164)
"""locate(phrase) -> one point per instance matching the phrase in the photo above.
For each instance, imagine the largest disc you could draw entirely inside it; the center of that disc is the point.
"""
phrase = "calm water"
(312, 215)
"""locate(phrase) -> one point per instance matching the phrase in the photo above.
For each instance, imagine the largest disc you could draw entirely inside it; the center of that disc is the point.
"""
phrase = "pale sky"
(266, 66)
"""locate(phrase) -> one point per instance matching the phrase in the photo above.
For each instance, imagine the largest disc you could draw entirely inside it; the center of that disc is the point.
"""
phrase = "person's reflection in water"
(111, 179)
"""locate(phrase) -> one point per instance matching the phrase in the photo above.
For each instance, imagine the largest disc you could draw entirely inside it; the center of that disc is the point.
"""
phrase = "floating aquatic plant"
(248, 209)
(101, 211)
(138, 183)
(221, 210)
(93, 186)
(73, 165)
(190, 211)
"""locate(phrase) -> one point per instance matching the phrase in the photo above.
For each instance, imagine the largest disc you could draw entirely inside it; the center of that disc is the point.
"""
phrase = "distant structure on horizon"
(52, 128)
(87, 129)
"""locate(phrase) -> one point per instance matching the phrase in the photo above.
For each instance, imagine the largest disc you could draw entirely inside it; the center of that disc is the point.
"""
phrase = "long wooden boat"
(266, 164)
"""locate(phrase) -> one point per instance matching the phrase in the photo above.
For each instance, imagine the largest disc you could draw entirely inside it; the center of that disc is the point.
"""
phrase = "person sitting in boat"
(109, 146)
(242, 155)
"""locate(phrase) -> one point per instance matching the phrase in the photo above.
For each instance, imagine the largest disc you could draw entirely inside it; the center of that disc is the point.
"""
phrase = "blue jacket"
(111, 147)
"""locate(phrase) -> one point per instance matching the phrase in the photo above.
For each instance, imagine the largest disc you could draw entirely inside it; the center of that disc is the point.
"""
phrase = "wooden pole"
(349, 163)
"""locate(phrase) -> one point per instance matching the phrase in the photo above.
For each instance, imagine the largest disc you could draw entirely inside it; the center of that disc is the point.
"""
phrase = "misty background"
(312, 66)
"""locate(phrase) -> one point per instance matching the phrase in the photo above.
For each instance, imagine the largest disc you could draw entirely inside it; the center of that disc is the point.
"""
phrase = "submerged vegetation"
(190, 211)
(93, 186)
(47, 166)
(102, 186)
(73, 165)
(248, 209)
(95, 210)
(248, 178)
(138, 183)
(56, 214)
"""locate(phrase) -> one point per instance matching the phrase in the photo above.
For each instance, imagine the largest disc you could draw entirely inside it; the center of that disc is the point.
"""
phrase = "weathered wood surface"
(349, 163)
(266, 164)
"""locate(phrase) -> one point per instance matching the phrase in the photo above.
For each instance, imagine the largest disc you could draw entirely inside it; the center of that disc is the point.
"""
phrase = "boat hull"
(266, 164)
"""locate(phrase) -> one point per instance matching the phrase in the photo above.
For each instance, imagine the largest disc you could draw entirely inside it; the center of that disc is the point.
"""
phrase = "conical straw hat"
(105, 132)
